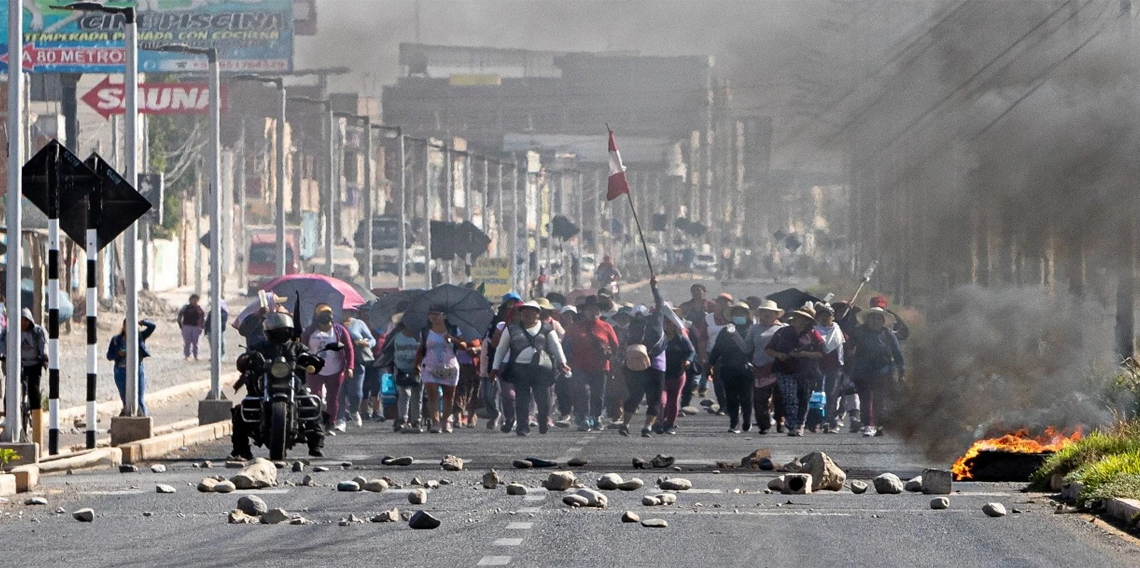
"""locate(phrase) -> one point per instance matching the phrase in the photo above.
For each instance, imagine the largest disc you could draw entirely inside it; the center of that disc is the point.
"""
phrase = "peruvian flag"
(618, 184)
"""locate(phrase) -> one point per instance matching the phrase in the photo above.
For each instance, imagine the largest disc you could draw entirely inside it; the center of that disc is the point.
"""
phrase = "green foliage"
(7, 456)
(1121, 438)
(1124, 388)
(1109, 471)
(1124, 486)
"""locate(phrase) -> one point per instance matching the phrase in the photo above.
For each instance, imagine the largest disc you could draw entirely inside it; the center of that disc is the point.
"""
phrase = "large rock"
(609, 481)
(225, 486)
(776, 483)
(417, 497)
(676, 484)
(348, 486)
(650, 501)
(630, 517)
(752, 460)
(667, 498)
(360, 480)
(375, 485)
(423, 521)
(298, 467)
(158, 468)
(88, 515)
(389, 516)
(824, 473)
(888, 484)
(516, 489)
(655, 523)
(258, 474)
(858, 487)
(937, 481)
(276, 517)
(207, 485)
(631, 484)
(163, 488)
(252, 505)
(662, 461)
(559, 481)
(236, 517)
(913, 485)
(593, 498)
(491, 479)
(939, 503)
(522, 464)
(451, 463)
(575, 500)
(994, 509)
(797, 484)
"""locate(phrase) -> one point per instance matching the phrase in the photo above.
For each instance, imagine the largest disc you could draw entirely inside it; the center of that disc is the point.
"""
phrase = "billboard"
(250, 35)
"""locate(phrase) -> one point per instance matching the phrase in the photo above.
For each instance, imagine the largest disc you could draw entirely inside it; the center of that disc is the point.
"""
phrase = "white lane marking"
(119, 492)
(406, 490)
(494, 561)
(572, 450)
(527, 510)
(259, 492)
(535, 497)
(699, 491)
(508, 542)
(520, 526)
(694, 462)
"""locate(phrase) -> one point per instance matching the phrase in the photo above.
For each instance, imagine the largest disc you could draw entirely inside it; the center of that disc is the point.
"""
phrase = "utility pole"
(13, 216)
(280, 158)
(329, 158)
(367, 197)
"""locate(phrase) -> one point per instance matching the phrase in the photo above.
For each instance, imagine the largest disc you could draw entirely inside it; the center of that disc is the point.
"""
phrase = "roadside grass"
(1105, 461)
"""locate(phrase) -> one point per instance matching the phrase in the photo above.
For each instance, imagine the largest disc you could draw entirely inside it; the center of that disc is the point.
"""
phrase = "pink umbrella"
(315, 289)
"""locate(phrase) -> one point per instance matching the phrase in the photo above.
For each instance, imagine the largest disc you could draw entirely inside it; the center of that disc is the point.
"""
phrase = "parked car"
(704, 263)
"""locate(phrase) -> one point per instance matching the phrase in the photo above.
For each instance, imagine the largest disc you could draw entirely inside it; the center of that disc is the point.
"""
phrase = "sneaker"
(672, 430)
(340, 426)
(623, 430)
(598, 425)
(397, 426)
(435, 429)
(799, 432)
(564, 422)
(447, 427)
(543, 428)
(416, 428)
(522, 433)
(378, 416)
(358, 420)
(658, 429)
(507, 427)
(878, 431)
(584, 426)
(867, 432)
(646, 432)
(779, 428)
(733, 430)
(492, 423)
(747, 428)
(316, 453)
(473, 421)
(856, 427)
(703, 392)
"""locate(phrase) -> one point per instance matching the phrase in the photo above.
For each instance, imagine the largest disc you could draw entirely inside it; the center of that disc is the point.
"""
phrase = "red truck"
(262, 260)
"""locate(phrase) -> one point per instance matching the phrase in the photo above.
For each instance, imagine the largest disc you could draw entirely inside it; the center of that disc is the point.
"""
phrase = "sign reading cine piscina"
(250, 35)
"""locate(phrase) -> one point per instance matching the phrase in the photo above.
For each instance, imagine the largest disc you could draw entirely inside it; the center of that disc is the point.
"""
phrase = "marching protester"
(374, 373)
(590, 345)
(117, 352)
(399, 357)
(875, 360)
(679, 354)
(831, 366)
(694, 310)
(338, 366)
(797, 350)
(191, 320)
(706, 339)
(731, 356)
(352, 393)
(439, 367)
(467, 394)
(535, 356)
(645, 363)
(498, 395)
(765, 390)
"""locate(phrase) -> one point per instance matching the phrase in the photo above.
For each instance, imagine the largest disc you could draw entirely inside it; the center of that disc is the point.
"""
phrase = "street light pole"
(367, 194)
(403, 214)
(282, 264)
(13, 216)
(130, 246)
(331, 161)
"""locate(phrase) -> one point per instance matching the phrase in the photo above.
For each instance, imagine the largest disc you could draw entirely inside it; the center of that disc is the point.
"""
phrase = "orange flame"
(1019, 442)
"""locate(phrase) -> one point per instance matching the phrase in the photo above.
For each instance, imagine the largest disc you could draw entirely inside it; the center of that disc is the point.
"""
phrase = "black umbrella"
(791, 299)
(466, 309)
(380, 311)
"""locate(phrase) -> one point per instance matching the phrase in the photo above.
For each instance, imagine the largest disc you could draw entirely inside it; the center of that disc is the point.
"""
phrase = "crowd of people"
(594, 364)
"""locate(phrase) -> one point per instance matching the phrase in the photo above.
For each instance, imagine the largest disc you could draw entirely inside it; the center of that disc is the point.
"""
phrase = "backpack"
(637, 357)
(541, 361)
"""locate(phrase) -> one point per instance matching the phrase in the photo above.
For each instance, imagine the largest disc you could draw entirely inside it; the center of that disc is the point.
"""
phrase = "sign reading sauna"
(107, 98)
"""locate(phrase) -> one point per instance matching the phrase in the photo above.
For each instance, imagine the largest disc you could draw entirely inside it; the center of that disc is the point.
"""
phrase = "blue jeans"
(352, 393)
(121, 384)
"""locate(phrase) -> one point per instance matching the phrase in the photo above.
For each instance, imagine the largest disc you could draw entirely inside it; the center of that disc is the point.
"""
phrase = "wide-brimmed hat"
(544, 303)
(740, 306)
(770, 306)
(531, 304)
(805, 311)
(863, 315)
(725, 296)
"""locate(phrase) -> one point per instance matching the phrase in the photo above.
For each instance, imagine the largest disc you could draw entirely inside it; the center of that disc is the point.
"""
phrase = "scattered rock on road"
(276, 517)
(888, 484)
(360, 480)
(389, 516)
(609, 481)
(539, 462)
(793, 466)
(577, 462)
(939, 503)
(226, 486)
(422, 520)
(522, 464)
(207, 485)
(128, 468)
(650, 501)
(559, 481)
(236, 517)
(36, 501)
(451, 463)
(655, 523)
(491, 479)
(308, 481)
(631, 484)
(766, 464)
(348, 486)
(825, 474)
(690, 410)
(400, 461)
(676, 484)
(797, 484)
(163, 488)
(776, 483)
(158, 468)
(516, 489)
(639, 463)
(576, 500)
(88, 515)
(661, 461)
(259, 474)
(418, 497)
(937, 481)
(858, 487)
(667, 498)
(320, 469)
(914, 485)
(994, 509)
(298, 467)
(752, 460)
(594, 498)
(252, 505)
(630, 517)
(375, 485)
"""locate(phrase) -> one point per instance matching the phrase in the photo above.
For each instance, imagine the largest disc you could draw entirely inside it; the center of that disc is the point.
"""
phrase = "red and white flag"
(618, 184)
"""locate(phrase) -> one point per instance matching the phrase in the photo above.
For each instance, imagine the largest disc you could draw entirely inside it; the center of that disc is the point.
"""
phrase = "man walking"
(590, 344)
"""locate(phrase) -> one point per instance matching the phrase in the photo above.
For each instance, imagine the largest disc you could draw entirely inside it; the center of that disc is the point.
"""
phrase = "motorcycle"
(282, 411)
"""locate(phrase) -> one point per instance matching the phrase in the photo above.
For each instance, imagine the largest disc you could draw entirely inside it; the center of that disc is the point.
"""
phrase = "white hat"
(530, 304)
(568, 308)
(873, 311)
(769, 306)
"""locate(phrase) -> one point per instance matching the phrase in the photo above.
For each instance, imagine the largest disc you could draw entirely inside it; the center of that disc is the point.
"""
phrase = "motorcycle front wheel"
(278, 430)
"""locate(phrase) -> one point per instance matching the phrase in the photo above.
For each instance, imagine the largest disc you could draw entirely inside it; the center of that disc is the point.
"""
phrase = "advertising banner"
(494, 274)
(250, 35)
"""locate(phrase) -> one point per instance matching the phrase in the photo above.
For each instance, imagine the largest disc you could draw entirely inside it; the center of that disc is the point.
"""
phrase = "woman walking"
(353, 392)
(338, 364)
(797, 350)
(731, 356)
(191, 320)
(876, 358)
(764, 388)
(467, 399)
(535, 355)
(400, 352)
(439, 367)
(117, 352)
(831, 366)
(679, 354)
(645, 364)
(498, 396)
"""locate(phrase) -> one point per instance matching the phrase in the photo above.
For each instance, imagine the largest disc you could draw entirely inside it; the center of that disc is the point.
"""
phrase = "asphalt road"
(713, 525)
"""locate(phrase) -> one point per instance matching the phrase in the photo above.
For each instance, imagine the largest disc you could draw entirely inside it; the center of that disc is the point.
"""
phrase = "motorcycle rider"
(280, 340)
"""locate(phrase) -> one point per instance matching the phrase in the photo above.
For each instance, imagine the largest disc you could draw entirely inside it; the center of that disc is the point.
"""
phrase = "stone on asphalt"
(252, 505)
(417, 497)
(577, 462)
(667, 498)
(207, 485)
(631, 484)
(402, 461)
(752, 460)
(422, 520)
(609, 481)
(575, 500)
(539, 462)
(630, 517)
(516, 489)
(825, 474)
(650, 501)
(797, 484)
(226, 486)
(259, 474)
(522, 464)
(416, 481)
(594, 498)
(690, 410)
(375, 485)
(491, 479)
(858, 487)
(236, 517)
(158, 468)
(431, 484)
(939, 503)
(128, 468)
(766, 464)
(275, 517)
(560, 481)
(348, 486)
(655, 523)
(937, 481)
(639, 463)
(793, 466)
(235, 464)
(163, 488)
(320, 469)
(298, 467)
(36, 501)
(706, 402)
(913, 485)
(389, 516)
(88, 515)
(661, 461)
(776, 483)
(888, 484)
(451, 463)
(360, 480)
(676, 484)
(308, 481)
(994, 509)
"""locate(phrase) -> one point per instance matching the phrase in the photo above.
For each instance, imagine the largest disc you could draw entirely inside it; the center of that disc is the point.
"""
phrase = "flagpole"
(636, 221)
(644, 247)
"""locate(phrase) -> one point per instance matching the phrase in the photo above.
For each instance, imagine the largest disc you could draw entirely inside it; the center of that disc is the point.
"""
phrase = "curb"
(97, 458)
(159, 446)
(114, 407)
(1126, 511)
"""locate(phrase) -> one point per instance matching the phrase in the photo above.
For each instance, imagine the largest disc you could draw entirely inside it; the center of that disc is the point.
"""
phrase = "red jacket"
(587, 341)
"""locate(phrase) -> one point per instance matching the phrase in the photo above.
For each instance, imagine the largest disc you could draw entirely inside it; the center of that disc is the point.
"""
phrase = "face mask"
(323, 319)
(739, 320)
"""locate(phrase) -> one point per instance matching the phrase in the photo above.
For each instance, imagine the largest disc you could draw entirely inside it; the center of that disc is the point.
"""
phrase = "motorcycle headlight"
(280, 369)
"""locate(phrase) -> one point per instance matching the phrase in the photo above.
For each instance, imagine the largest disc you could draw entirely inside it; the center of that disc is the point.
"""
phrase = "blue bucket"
(387, 389)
